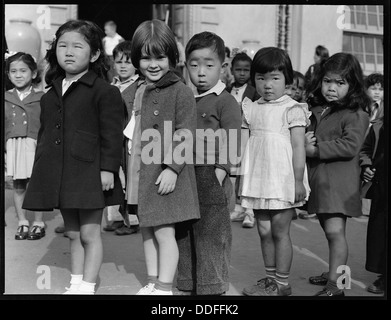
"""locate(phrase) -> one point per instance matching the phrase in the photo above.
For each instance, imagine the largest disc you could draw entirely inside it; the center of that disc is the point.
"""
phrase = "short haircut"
(241, 56)
(206, 39)
(374, 78)
(272, 58)
(123, 48)
(156, 38)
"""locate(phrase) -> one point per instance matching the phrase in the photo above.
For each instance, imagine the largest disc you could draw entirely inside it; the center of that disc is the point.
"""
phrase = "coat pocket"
(84, 146)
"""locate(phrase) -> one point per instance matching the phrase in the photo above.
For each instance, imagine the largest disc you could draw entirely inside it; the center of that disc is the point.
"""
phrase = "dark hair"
(93, 34)
(241, 56)
(374, 78)
(322, 52)
(28, 60)
(156, 38)
(272, 58)
(206, 39)
(123, 48)
(347, 66)
(227, 52)
(298, 75)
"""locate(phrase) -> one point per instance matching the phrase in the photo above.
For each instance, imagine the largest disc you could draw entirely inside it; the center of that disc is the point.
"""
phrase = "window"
(365, 37)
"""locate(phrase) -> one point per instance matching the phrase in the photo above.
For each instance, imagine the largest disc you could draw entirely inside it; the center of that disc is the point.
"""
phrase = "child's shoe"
(249, 220)
(237, 216)
(37, 232)
(327, 293)
(257, 289)
(274, 289)
(146, 290)
(22, 232)
(377, 286)
(158, 292)
(319, 280)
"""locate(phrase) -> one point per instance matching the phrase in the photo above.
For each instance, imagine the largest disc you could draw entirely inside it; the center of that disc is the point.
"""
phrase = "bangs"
(269, 63)
(155, 46)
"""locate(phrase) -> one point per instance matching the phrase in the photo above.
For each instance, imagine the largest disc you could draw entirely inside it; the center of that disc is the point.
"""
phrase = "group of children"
(147, 148)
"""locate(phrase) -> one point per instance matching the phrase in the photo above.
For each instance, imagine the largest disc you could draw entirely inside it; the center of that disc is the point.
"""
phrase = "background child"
(126, 75)
(300, 87)
(373, 172)
(240, 89)
(334, 140)
(321, 54)
(274, 170)
(79, 146)
(161, 188)
(111, 39)
(374, 85)
(205, 246)
(22, 111)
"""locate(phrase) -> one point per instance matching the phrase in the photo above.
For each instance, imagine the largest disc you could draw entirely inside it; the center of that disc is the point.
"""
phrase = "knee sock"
(270, 272)
(282, 278)
(39, 224)
(75, 281)
(87, 287)
(165, 286)
(152, 279)
(23, 223)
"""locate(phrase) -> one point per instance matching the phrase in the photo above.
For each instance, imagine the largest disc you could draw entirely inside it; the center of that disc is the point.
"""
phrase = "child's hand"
(220, 174)
(310, 138)
(167, 181)
(311, 151)
(368, 174)
(107, 179)
(300, 192)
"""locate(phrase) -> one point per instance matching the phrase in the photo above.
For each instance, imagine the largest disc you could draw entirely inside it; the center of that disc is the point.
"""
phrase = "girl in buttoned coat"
(79, 146)
(21, 111)
(161, 177)
(334, 140)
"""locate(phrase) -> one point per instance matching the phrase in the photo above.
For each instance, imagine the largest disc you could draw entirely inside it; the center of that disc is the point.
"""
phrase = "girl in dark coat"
(160, 180)
(334, 140)
(79, 146)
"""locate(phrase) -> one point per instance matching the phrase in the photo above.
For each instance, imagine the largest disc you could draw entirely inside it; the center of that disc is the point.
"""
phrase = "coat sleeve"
(111, 119)
(349, 144)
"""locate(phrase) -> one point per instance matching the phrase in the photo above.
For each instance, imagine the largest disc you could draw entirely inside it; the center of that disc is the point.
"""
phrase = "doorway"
(125, 14)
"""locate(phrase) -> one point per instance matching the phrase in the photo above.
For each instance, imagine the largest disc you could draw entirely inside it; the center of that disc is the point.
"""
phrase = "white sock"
(87, 287)
(23, 223)
(238, 208)
(76, 280)
(39, 224)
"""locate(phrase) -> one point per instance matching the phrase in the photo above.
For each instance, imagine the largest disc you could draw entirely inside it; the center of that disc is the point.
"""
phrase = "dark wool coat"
(22, 117)
(335, 176)
(80, 136)
(171, 101)
(250, 92)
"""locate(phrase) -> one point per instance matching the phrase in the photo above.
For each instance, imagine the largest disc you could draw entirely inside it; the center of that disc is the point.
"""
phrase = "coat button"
(25, 122)
(203, 115)
(24, 114)
(156, 112)
(58, 141)
(154, 101)
(58, 125)
(13, 123)
(155, 126)
(13, 106)
(157, 90)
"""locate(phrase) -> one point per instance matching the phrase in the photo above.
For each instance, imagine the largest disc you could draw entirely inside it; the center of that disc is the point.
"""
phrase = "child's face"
(376, 92)
(270, 85)
(241, 72)
(110, 31)
(153, 67)
(74, 54)
(124, 67)
(21, 75)
(299, 91)
(204, 68)
(334, 87)
(291, 89)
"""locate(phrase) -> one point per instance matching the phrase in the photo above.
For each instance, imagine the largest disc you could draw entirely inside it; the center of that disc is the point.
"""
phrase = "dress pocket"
(84, 146)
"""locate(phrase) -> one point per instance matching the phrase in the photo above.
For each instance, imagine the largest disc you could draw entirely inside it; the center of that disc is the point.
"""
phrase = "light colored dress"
(268, 177)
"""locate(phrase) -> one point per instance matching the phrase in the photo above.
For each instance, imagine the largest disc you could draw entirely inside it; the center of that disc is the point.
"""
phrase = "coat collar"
(168, 79)
(88, 79)
(12, 96)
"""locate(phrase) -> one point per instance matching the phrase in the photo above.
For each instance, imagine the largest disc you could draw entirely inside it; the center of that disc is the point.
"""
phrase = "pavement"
(42, 267)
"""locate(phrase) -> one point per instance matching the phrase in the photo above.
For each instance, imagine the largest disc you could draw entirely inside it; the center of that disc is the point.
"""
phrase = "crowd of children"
(137, 146)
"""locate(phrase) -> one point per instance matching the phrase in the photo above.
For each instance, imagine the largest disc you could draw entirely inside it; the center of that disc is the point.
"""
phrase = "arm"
(367, 173)
(298, 160)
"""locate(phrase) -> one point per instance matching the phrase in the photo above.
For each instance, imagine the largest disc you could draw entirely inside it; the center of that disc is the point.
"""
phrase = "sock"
(282, 278)
(332, 286)
(270, 272)
(87, 287)
(39, 224)
(164, 286)
(75, 281)
(152, 279)
(23, 223)
(238, 208)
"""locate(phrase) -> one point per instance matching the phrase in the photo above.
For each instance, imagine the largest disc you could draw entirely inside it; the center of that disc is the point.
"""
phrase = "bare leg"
(150, 251)
(265, 233)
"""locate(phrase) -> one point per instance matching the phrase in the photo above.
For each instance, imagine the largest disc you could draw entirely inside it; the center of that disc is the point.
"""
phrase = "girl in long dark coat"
(79, 146)
(160, 180)
(334, 140)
